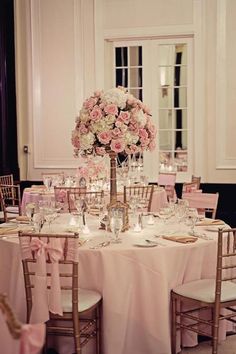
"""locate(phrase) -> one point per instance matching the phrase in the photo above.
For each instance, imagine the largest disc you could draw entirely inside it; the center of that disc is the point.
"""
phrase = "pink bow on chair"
(44, 302)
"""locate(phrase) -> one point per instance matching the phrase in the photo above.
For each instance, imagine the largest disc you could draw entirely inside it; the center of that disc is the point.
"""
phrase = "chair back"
(145, 193)
(166, 179)
(226, 262)
(191, 187)
(42, 257)
(10, 200)
(196, 180)
(61, 195)
(203, 201)
(93, 200)
(7, 179)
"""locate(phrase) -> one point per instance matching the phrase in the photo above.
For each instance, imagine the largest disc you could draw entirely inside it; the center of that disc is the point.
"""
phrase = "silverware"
(152, 242)
(100, 245)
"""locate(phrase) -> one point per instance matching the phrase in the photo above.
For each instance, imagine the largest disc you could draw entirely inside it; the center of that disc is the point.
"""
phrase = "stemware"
(193, 217)
(116, 224)
(30, 209)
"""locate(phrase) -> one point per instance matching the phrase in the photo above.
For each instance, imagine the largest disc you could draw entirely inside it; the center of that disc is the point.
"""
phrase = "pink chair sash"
(201, 200)
(44, 302)
(32, 338)
(166, 179)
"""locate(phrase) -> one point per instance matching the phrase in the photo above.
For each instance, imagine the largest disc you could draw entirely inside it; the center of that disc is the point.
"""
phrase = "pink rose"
(143, 133)
(104, 137)
(83, 129)
(100, 150)
(75, 141)
(152, 129)
(152, 145)
(90, 102)
(144, 141)
(97, 93)
(116, 133)
(124, 116)
(111, 109)
(117, 145)
(133, 149)
(96, 113)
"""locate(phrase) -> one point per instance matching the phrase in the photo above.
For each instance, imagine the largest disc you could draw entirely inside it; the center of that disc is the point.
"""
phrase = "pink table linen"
(135, 284)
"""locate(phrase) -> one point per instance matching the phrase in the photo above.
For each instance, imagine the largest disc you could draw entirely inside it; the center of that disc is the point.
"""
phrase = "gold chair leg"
(173, 325)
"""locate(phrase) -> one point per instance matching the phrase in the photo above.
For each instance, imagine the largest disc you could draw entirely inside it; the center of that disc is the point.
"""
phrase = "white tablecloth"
(135, 284)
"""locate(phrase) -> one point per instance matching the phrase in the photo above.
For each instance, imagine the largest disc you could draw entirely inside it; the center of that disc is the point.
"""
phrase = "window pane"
(135, 56)
(165, 157)
(121, 56)
(180, 75)
(138, 93)
(165, 119)
(180, 139)
(166, 76)
(165, 140)
(180, 97)
(136, 78)
(181, 54)
(122, 77)
(180, 119)
(165, 97)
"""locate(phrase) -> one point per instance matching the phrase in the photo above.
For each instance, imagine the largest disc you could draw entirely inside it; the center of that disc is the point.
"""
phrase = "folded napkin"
(209, 222)
(181, 238)
(8, 230)
(22, 218)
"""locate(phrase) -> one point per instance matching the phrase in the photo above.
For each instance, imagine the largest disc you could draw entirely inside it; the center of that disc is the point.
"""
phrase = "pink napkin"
(32, 338)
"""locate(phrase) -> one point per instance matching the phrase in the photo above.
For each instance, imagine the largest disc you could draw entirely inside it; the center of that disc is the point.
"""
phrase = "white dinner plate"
(215, 228)
(145, 245)
(8, 224)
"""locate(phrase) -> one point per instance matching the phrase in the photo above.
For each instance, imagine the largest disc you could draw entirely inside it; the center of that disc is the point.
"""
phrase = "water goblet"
(192, 217)
(30, 210)
(116, 224)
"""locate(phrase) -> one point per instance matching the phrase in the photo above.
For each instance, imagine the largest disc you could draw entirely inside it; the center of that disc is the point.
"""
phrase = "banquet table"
(34, 195)
(134, 280)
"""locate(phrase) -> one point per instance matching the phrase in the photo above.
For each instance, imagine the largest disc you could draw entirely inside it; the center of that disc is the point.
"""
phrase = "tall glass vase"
(113, 185)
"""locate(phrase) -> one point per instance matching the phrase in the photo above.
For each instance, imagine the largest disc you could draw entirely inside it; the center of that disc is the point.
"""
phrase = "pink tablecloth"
(135, 284)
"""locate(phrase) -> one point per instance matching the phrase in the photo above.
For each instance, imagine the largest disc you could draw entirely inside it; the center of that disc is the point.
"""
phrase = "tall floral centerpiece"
(113, 122)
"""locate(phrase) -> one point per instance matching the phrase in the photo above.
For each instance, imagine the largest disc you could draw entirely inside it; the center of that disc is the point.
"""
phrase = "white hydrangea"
(115, 96)
(141, 118)
(130, 138)
(87, 140)
(99, 126)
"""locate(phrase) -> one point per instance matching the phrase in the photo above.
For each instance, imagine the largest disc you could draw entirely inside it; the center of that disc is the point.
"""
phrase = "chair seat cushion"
(204, 290)
(87, 299)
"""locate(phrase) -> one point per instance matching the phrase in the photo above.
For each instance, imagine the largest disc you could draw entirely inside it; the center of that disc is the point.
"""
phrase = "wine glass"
(192, 217)
(50, 215)
(30, 209)
(116, 224)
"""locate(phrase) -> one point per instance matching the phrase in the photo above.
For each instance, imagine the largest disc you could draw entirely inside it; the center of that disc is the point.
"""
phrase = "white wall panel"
(225, 142)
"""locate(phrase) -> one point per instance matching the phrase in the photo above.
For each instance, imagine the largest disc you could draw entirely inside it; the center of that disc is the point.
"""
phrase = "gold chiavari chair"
(196, 180)
(204, 202)
(7, 179)
(80, 307)
(10, 199)
(144, 193)
(215, 294)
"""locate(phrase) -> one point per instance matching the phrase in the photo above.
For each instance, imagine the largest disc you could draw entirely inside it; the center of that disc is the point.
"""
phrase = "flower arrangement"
(113, 121)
